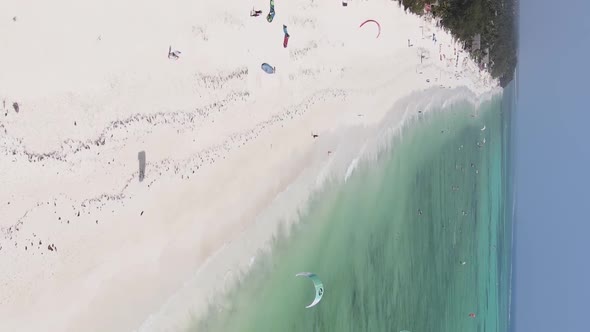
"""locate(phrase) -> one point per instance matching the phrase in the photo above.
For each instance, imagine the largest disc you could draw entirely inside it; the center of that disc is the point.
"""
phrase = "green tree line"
(493, 20)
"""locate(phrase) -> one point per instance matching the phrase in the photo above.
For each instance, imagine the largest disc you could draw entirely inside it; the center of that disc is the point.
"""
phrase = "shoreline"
(232, 262)
(247, 149)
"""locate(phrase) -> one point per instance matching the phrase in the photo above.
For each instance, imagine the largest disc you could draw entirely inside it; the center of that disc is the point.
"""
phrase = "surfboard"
(267, 68)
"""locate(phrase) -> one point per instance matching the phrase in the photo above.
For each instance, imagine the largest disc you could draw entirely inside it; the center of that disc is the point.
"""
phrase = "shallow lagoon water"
(417, 240)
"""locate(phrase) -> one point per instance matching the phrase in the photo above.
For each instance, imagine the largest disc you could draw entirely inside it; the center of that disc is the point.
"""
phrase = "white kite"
(319, 287)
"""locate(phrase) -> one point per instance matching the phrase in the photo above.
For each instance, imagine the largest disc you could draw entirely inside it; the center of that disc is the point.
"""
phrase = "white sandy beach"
(86, 246)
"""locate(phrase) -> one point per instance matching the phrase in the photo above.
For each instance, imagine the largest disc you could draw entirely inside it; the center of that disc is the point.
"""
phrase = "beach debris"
(314, 135)
(173, 54)
(344, 3)
(463, 262)
(268, 68)
(373, 21)
(141, 214)
(14, 18)
(286, 38)
(271, 14)
(472, 315)
(52, 247)
(319, 286)
(16, 107)
(484, 128)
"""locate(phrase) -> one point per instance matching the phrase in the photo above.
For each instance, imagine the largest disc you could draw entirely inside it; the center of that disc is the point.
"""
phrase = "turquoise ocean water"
(389, 243)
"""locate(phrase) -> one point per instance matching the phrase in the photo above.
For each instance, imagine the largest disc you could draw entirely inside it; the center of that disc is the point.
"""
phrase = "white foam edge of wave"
(353, 145)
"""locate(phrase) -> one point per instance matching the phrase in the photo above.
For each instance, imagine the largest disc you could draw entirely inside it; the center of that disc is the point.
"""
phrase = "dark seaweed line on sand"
(219, 81)
(160, 118)
(197, 160)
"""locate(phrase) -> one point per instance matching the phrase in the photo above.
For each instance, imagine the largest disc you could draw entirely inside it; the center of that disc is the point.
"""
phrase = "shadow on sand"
(141, 158)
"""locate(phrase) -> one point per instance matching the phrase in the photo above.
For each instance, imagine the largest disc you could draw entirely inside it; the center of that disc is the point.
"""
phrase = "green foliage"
(493, 20)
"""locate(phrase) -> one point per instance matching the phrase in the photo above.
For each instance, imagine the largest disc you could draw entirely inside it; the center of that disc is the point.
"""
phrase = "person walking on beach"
(173, 54)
